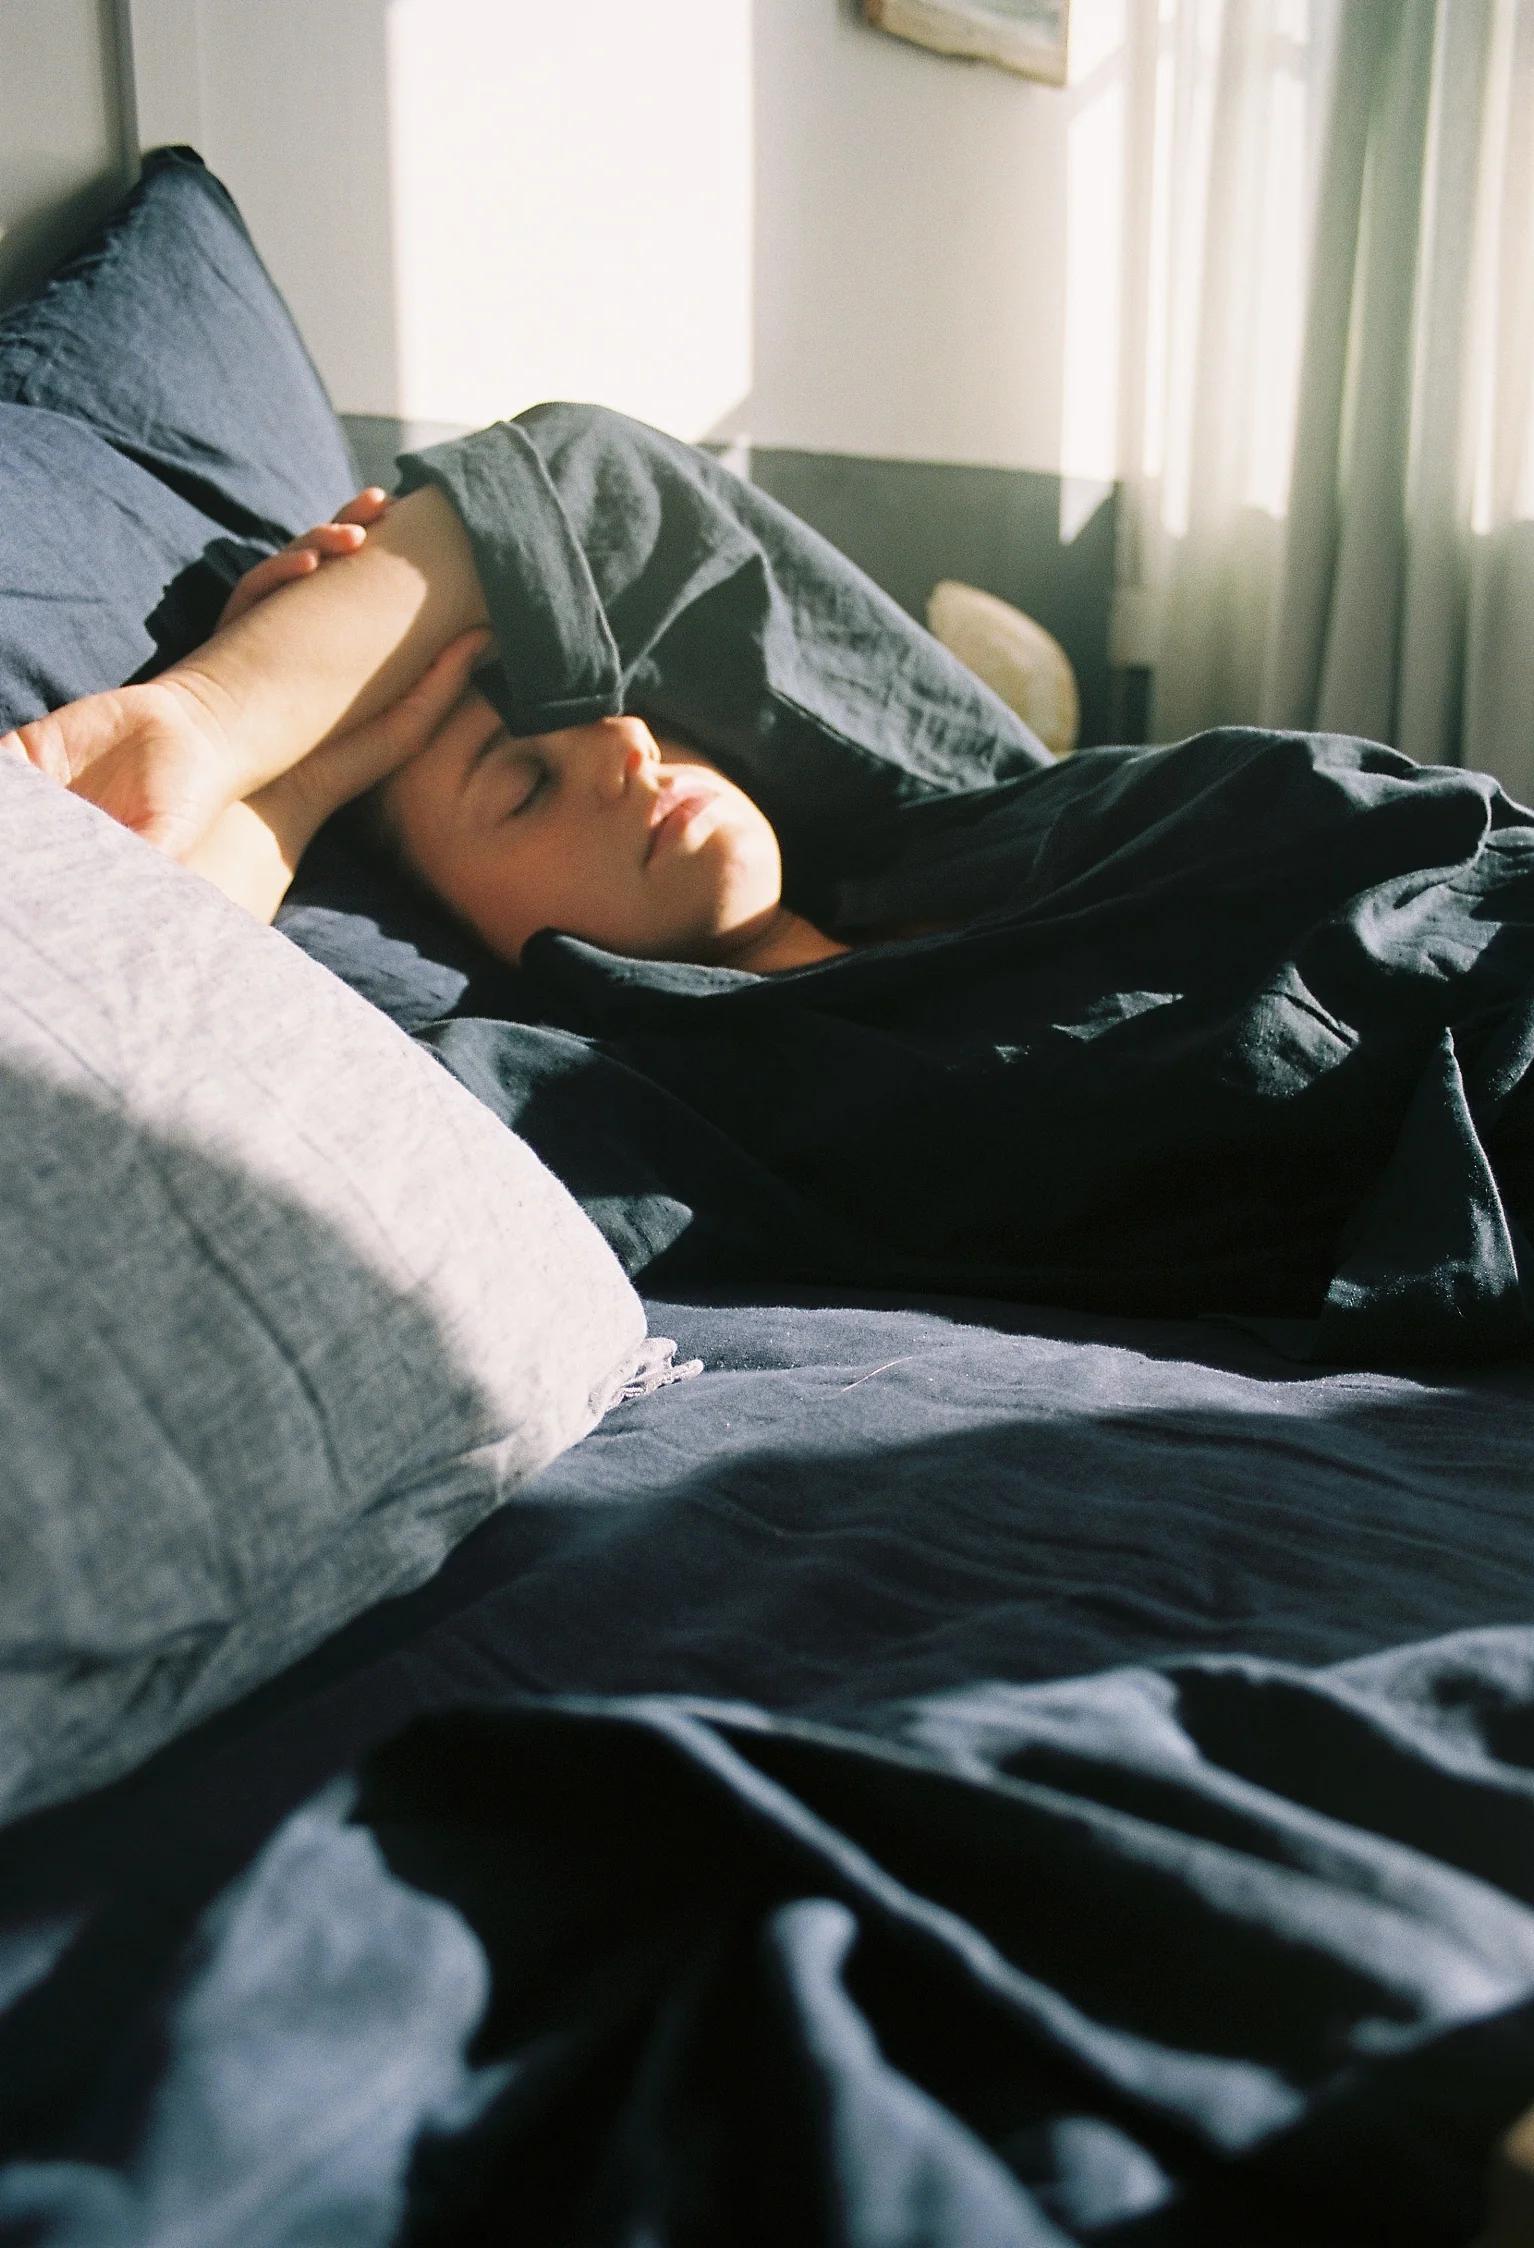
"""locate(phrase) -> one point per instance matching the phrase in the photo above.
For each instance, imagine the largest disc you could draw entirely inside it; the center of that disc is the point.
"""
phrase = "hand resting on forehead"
(327, 683)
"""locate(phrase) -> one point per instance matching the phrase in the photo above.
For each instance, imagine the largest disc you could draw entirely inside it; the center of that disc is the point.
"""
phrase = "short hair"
(366, 822)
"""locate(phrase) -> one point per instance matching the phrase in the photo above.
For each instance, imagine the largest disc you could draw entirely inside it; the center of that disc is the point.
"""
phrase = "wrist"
(210, 701)
(294, 808)
(248, 856)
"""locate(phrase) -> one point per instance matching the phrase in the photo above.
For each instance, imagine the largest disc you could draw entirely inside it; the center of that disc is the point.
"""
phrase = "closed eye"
(529, 779)
(513, 773)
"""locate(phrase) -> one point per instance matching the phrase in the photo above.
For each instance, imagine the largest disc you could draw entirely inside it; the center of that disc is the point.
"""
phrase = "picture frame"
(1028, 36)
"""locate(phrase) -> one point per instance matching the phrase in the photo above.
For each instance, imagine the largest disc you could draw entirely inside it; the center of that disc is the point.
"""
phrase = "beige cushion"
(1018, 660)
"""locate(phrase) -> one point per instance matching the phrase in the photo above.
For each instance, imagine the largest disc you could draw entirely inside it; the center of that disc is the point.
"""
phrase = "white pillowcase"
(284, 1310)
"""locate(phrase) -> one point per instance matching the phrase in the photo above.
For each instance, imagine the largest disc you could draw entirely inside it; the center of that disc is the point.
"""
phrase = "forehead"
(437, 776)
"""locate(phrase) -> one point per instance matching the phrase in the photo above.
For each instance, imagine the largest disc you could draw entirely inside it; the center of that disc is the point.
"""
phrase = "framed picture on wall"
(1023, 35)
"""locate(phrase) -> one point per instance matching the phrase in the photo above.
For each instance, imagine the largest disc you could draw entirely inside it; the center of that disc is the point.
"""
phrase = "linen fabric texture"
(161, 427)
(286, 1311)
(1240, 1028)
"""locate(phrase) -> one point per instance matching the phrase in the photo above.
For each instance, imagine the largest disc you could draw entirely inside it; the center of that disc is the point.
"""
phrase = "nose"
(629, 748)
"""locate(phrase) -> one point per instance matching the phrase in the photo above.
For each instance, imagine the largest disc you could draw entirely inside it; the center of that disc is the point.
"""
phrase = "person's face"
(602, 831)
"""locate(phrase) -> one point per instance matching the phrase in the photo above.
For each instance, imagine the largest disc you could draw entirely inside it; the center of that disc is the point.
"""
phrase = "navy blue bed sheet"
(947, 1774)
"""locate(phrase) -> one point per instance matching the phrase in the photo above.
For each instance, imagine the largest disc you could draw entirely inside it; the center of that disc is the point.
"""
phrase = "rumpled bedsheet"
(834, 1811)
(1227, 1951)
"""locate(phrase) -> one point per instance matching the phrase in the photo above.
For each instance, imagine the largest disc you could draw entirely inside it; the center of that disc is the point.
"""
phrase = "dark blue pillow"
(167, 334)
(101, 576)
(161, 424)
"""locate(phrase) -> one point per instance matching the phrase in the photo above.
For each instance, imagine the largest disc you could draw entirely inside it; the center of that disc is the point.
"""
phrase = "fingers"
(40, 745)
(440, 687)
(333, 538)
(467, 725)
(349, 763)
(277, 570)
(369, 506)
(301, 557)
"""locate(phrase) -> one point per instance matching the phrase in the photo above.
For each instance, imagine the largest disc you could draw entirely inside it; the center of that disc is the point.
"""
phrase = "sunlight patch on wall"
(572, 212)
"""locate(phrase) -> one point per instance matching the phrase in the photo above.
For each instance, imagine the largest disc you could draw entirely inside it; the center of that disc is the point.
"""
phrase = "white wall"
(295, 116)
(573, 210)
(62, 159)
(755, 217)
(909, 270)
(473, 204)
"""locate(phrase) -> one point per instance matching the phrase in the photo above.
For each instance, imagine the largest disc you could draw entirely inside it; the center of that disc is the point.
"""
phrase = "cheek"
(560, 875)
(472, 879)
(754, 865)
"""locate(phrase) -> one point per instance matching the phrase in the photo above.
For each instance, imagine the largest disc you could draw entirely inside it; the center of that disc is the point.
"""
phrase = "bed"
(941, 1771)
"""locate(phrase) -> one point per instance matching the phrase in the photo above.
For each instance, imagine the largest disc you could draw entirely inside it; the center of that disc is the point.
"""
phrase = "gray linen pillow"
(285, 1311)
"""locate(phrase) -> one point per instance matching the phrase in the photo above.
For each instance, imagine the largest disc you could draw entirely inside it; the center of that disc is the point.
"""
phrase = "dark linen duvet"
(1241, 1027)
(947, 1774)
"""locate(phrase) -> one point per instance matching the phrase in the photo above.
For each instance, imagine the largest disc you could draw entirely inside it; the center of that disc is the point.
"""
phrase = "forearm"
(252, 851)
(322, 656)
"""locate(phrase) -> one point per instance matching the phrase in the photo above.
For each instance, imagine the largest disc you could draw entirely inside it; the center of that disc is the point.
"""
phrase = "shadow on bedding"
(852, 1508)
(1041, 1866)
(594, 1968)
(238, 1409)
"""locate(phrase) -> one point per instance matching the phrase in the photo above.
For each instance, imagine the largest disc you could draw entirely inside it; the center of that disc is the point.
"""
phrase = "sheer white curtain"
(1330, 482)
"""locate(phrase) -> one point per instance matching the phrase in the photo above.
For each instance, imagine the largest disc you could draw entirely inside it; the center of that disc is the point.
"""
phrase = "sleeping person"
(825, 973)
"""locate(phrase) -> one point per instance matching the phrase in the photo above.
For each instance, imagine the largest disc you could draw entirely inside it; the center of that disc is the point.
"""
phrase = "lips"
(673, 812)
